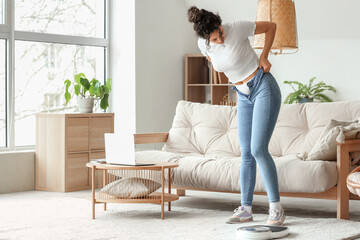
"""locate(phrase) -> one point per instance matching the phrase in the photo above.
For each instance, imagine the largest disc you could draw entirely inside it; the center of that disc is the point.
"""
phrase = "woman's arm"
(208, 58)
(269, 28)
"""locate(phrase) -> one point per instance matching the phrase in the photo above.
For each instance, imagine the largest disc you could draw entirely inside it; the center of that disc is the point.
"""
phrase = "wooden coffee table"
(113, 173)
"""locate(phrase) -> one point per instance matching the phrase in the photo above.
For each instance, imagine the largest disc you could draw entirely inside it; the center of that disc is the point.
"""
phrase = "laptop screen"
(120, 148)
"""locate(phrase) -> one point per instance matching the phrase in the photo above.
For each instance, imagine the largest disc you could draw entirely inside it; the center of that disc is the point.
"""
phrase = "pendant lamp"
(282, 12)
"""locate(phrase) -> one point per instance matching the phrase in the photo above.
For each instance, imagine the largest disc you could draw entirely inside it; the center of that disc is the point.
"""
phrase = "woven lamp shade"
(282, 12)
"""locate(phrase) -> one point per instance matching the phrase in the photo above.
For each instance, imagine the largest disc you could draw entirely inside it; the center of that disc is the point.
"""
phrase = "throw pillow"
(334, 131)
(131, 187)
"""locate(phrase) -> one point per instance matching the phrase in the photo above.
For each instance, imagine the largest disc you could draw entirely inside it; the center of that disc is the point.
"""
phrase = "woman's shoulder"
(202, 46)
(239, 23)
(242, 27)
(201, 43)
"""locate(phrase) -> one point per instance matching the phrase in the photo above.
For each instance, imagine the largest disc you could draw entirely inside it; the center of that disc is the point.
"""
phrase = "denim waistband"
(257, 76)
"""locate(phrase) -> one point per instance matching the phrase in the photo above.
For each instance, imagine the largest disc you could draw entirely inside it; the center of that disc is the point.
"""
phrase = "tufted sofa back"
(211, 130)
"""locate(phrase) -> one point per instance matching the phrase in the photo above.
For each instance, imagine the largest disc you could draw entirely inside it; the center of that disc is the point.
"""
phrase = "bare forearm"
(269, 39)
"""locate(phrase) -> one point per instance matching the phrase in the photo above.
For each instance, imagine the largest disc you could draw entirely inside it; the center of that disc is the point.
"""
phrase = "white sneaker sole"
(277, 223)
(239, 220)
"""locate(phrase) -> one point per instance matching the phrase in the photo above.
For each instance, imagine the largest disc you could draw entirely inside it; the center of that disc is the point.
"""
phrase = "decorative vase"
(304, 100)
(86, 105)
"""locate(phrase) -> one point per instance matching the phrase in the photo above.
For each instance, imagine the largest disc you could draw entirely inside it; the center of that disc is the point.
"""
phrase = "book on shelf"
(215, 79)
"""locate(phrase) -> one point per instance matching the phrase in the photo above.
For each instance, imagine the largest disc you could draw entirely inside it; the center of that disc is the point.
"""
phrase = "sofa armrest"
(343, 169)
(143, 138)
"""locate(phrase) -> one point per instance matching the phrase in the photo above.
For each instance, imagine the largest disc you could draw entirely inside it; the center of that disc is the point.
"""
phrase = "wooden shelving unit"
(204, 85)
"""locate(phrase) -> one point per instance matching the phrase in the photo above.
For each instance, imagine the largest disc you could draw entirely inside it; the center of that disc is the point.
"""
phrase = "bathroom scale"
(262, 232)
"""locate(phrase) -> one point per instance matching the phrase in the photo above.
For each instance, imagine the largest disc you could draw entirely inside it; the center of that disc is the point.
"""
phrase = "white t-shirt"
(235, 57)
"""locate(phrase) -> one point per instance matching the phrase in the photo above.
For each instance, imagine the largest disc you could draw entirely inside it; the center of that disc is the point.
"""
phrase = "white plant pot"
(86, 105)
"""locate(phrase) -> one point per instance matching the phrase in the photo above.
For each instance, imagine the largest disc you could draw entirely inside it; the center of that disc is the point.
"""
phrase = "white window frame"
(7, 32)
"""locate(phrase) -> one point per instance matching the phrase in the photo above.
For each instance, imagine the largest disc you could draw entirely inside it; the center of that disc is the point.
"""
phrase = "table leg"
(169, 203)
(162, 192)
(105, 171)
(93, 191)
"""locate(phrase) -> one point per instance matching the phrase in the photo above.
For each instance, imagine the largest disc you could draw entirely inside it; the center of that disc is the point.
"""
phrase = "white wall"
(17, 171)
(122, 64)
(163, 37)
(333, 61)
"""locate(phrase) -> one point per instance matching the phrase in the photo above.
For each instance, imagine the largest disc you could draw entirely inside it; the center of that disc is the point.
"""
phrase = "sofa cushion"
(211, 130)
(204, 129)
(300, 125)
(335, 131)
(223, 174)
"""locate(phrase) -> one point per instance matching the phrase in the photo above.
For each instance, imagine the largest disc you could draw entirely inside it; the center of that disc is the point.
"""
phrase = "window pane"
(69, 17)
(40, 72)
(2, 95)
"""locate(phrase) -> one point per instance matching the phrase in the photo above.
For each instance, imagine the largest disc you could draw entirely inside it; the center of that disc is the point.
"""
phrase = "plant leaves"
(85, 83)
(94, 89)
(67, 84)
(310, 90)
(104, 103)
(106, 89)
(67, 97)
(77, 89)
(93, 81)
(311, 81)
(108, 83)
(323, 98)
(78, 77)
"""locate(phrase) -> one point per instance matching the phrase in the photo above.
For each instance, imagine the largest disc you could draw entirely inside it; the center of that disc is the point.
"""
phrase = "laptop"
(120, 149)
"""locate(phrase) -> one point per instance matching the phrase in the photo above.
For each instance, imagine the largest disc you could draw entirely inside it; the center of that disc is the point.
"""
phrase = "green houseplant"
(88, 92)
(307, 93)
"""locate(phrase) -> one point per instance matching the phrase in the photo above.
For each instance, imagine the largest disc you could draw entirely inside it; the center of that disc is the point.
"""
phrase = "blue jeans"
(257, 114)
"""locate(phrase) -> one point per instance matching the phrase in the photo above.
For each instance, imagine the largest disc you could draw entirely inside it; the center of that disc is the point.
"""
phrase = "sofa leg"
(342, 202)
(342, 192)
(180, 192)
(343, 208)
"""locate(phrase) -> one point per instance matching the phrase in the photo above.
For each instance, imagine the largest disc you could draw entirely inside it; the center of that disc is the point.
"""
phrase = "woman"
(259, 98)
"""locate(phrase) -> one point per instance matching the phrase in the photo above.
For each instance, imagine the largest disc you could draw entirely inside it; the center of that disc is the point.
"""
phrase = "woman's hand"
(264, 62)
(269, 28)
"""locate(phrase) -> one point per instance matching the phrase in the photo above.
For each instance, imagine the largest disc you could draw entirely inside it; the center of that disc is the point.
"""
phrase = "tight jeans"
(257, 113)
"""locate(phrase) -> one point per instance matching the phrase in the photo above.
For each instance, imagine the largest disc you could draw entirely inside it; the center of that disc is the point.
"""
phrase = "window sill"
(18, 151)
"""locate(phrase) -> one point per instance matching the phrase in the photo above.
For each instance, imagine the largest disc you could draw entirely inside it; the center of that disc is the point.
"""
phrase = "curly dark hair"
(205, 22)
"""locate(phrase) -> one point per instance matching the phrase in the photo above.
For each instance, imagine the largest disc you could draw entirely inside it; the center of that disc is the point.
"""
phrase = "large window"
(53, 41)
(41, 83)
(70, 17)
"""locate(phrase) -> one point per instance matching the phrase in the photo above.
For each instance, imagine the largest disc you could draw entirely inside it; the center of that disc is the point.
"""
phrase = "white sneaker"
(240, 215)
(276, 217)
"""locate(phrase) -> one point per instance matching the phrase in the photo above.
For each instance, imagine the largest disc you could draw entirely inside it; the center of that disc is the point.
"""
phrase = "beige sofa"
(204, 141)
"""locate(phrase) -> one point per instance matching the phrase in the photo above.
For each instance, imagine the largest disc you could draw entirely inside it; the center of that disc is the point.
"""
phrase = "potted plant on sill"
(307, 93)
(88, 92)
